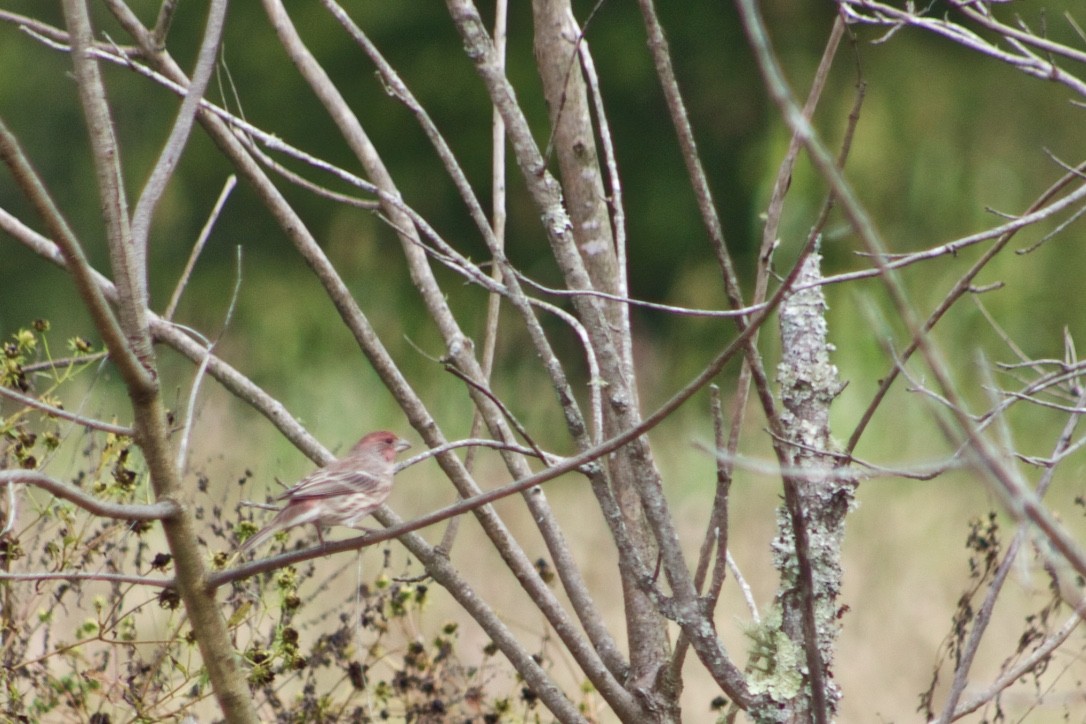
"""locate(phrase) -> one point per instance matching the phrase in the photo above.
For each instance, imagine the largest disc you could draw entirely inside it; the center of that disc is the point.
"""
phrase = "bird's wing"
(331, 481)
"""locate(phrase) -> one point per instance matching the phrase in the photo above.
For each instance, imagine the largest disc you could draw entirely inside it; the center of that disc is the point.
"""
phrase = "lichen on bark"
(822, 487)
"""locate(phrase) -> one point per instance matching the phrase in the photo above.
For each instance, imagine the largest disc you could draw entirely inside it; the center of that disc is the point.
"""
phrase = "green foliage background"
(943, 136)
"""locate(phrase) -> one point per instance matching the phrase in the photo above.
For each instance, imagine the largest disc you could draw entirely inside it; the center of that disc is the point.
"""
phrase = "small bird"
(343, 492)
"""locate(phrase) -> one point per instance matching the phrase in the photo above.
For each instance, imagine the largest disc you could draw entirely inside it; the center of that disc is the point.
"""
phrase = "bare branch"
(190, 416)
(671, 309)
(461, 350)
(133, 357)
(984, 613)
(32, 25)
(1036, 214)
(877, 13)
(72, 253)
(52, 411)
(161, 510)
(1038, 658)
(716, 535)
(85, 576)
(198, 247)
(179, 134)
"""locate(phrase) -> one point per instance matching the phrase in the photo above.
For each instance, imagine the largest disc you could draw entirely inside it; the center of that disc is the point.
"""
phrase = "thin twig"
(877, 13)
(499, 217)
(1039, 657)
(85, 576)
(13, 511)
(72, 252)
(59, 363)
(159, 510)
(201, 240)
(179, 134)
(748, 594)
(190, 413)
(716, 534)
(614, 183)
(517, 425)
(984, 613)
(87, 422)
(669, 308)
(476, 442)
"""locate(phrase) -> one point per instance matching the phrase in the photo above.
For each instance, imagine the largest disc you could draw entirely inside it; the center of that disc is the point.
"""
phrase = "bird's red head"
(384, 443)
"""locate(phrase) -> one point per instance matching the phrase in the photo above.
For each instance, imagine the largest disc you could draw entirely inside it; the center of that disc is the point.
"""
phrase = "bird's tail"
(280, 521)
(291, 515)
(257, 538)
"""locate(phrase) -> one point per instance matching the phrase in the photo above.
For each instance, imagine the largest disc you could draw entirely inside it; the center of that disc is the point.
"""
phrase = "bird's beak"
(402, 445)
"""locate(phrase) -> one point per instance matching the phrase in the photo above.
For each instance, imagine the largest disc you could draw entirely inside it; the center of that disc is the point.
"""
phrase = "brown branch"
(135, 358)
(198, 247)
(783, 181)
(984, 613)
(85, 576)
(132, 355)
(716, 535)
(1036, 211)
(462, 351)
(72, 252)
(87, 422)
(179, 134)
(160, 510)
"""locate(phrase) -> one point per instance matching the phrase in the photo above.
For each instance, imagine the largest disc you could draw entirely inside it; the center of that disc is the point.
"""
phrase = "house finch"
(343, 492)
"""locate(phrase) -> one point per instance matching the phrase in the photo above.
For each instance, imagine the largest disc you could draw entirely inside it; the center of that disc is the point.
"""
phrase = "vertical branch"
(615, 201)
(498, 219)
(984, 613)
(699, 182)
(198, 247)
(152, 430)
(716, 538)
(661, 57)
(128, 271)
(179, 134)
(461, 353)
(556, 37)
(727, 449)
(807, 549)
